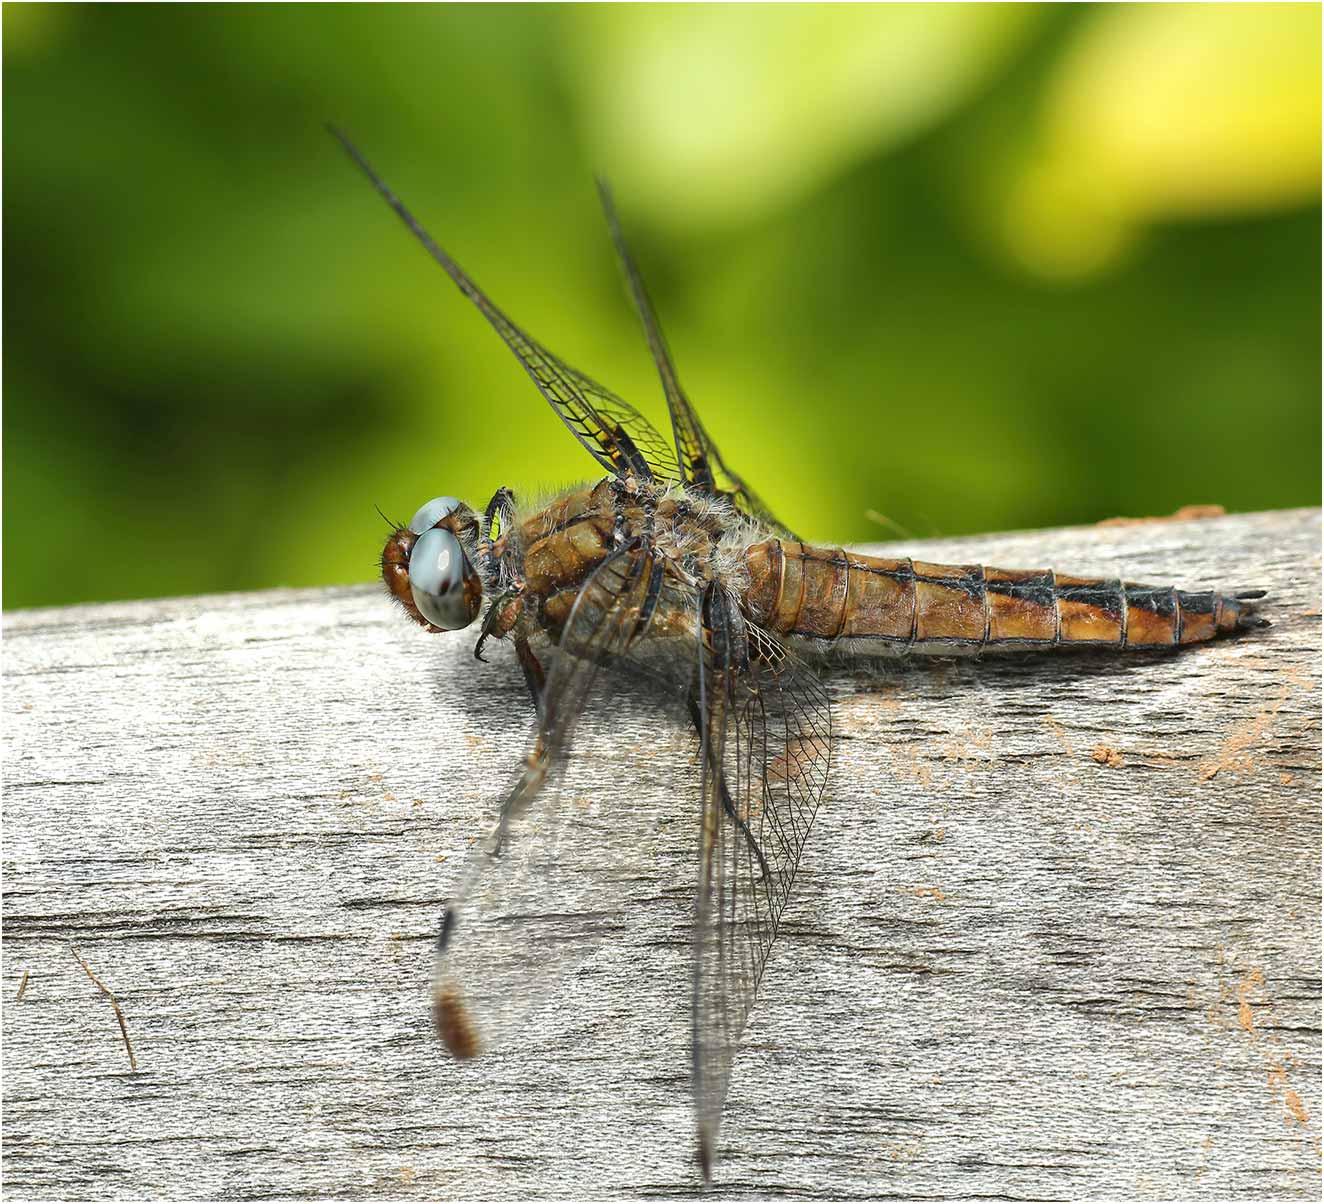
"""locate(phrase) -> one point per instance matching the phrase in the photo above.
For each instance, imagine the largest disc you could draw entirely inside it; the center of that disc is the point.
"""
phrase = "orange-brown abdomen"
(899, 606)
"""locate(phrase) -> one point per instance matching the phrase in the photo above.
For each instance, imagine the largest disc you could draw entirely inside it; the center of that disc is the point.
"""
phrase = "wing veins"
(566, 389)
(764, 719)
(695, 451)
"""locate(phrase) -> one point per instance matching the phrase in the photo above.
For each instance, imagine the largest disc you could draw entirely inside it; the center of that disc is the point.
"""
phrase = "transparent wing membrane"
(700, 461)
(621, 439)
(767, 730)
(551, 879)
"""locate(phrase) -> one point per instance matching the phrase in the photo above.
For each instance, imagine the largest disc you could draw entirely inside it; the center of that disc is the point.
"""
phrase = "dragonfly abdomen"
(874, 606)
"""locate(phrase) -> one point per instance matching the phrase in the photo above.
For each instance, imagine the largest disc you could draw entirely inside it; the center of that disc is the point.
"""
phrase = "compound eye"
(446, 590)
(431, 513)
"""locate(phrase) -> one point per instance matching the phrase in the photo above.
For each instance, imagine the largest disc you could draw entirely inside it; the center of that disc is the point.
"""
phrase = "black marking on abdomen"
(970, 582)
(1103, 595)
(1158, 600)
(904, 573)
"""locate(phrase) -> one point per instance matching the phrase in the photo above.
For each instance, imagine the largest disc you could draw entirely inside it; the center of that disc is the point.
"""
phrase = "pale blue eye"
(430, 513)
(446, 590)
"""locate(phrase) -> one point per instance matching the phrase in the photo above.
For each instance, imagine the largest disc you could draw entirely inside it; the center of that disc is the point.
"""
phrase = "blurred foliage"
(973, 267)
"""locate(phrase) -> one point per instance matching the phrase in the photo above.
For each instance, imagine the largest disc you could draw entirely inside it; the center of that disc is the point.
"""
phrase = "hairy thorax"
(566, 540)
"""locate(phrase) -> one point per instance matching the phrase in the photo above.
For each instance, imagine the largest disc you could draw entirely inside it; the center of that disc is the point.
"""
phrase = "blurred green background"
(970, 267)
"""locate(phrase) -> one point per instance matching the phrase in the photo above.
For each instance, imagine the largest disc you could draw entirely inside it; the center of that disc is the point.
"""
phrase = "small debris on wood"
(1107, 756)
(22, 987)
(114, 1003)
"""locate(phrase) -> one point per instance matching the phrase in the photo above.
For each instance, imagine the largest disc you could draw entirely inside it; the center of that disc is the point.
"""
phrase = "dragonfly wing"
(621, 439)
(766, 725)
(550, 880)
(700, 461)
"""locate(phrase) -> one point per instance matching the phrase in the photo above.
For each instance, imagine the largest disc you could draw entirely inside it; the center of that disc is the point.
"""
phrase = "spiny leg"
(498, 555)
(493, 545)
(534, 674)
(500, 619)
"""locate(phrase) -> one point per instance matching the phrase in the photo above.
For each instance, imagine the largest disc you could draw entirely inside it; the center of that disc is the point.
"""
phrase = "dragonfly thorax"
(429, 569)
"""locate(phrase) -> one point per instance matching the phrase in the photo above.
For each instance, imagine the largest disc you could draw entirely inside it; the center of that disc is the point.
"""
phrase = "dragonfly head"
(429, 566)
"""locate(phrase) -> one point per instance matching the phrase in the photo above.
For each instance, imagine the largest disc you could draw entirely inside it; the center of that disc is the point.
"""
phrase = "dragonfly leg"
(501, 618)
(534, 674)
(498, 519)
(496, 549)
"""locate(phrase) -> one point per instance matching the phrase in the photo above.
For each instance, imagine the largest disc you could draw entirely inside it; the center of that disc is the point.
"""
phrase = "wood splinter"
(114, 1003)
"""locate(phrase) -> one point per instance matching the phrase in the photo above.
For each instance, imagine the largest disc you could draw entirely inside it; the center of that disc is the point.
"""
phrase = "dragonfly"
(670, 569)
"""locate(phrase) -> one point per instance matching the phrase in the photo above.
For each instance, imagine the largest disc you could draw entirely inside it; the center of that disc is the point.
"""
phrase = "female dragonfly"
(672, 569)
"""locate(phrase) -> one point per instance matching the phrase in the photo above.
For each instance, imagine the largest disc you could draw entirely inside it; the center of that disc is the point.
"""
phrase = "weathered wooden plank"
(1057, 930)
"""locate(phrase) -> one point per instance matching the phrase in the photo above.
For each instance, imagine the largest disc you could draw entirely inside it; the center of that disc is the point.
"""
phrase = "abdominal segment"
(873, 606)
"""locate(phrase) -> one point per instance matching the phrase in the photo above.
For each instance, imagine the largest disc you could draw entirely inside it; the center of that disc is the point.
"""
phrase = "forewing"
(767, 731)
(621, 439)
(550, 880)
(700, 461)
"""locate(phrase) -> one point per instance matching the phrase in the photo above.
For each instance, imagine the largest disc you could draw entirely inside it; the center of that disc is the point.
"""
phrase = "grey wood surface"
(1056, 932)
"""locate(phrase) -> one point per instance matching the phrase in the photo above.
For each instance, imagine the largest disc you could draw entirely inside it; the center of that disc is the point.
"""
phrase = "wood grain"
(1056, 932)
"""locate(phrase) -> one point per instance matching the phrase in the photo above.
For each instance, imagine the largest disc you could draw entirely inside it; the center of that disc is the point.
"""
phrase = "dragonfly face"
(429, 566)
